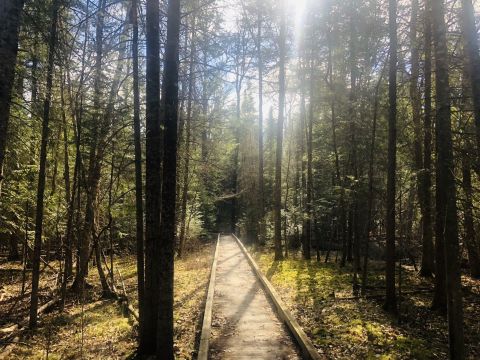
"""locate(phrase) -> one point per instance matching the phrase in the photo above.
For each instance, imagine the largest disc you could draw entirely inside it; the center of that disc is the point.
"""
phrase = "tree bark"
(446, 207)
(369, 223)
(106, 291)
(170, 121)
(341, 226)
(261, 182)
(470, 238)
(353, 243)
(68, 189)
(95, 157)
(470, 37)
(279, 150)
(37, 247)
(391, 299)
(153, 178)
(427, 265)
(308, 223)
(138, 175)
(10, 17)
(188, 125)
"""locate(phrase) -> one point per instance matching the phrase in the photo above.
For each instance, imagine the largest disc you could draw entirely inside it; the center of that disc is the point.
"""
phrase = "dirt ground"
(244, 324)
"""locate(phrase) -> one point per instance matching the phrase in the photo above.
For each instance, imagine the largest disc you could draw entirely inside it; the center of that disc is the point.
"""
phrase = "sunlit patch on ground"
(102, 330)
(320, 296)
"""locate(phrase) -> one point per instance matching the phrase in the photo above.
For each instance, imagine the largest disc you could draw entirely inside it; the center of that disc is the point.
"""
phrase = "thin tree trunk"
(353, 244)
(308, 236)
(261, 186)
(138, 176)
(279, 150)
(446, 207)
(188, 120)
(233, 220)
(66, 176)
(302, 137)
(285, 202)
(427, 266)
(110, 215)
(106, 291)
(391, 299)
(94, 171)
(69, 199)
(341, 227)
(37, 247)
(369, 224)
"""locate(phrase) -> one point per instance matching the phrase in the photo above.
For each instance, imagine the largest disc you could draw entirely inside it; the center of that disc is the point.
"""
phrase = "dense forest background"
(346, 132)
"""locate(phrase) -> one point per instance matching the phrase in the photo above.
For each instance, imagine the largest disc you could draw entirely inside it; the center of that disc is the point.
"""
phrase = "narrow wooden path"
(244, 323)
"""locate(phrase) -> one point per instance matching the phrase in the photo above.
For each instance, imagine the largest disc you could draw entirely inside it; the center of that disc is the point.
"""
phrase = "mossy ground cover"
(320, 296)
(103, 330)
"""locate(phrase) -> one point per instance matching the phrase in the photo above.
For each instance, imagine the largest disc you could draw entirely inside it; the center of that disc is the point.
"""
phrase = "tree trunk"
(188, 125)
(470, 38)
(96, 150)
(170, 116)
(70, 193)
(341, 226)
(391, 299)
(153, 178)
(446, 207)
(415, 97)
(308, 223)
(427, 266)
(279, 150)
(10, 16)
(236, 150)
(470, 238)
(261, 186)
(369, 223)
(353, 244)
(106, 291)
(349, 248)
(303, 163)
(13, 254)
(138, 175)
(37, 247)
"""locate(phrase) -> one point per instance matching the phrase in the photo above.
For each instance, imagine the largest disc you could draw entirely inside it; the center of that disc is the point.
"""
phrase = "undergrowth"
(341, 326)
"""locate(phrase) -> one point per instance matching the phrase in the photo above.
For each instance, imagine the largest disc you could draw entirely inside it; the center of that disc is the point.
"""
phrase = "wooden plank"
(306, 345)
(207, 315)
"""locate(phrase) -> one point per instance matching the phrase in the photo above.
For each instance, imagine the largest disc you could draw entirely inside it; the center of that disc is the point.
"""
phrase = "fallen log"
(14, 332)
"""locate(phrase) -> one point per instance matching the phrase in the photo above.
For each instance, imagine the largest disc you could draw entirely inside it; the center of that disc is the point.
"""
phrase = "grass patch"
(102, 331)
(319, 296)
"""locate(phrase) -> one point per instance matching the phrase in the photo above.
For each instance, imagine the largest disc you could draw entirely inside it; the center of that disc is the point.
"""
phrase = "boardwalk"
(244, 324)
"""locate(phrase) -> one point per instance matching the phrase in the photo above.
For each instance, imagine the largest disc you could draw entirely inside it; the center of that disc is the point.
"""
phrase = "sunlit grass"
(315, 292)
(104, 331)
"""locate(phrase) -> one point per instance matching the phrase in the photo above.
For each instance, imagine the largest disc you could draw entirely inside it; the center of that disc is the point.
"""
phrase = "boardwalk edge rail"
(207, 315)
(306, 345)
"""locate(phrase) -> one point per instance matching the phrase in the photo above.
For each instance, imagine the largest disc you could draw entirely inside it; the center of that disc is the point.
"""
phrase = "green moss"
(356, 331)
(417, 348)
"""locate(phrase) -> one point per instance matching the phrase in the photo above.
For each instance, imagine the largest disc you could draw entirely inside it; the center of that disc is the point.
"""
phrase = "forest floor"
(100, 328)
(320, 297)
